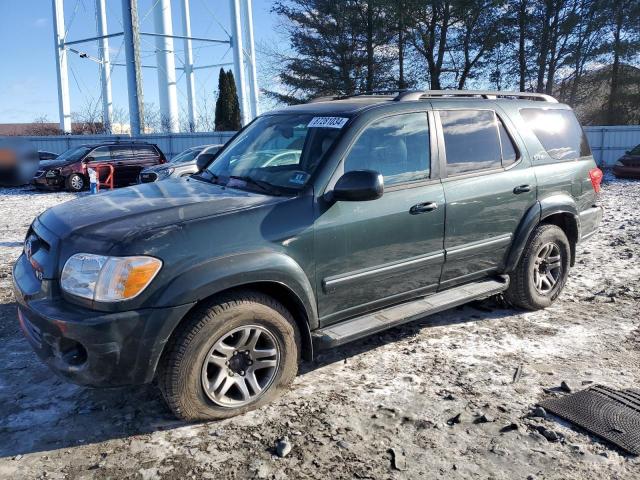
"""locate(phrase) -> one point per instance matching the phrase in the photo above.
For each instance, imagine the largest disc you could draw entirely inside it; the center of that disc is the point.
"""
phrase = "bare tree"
(42, 126)
(88, 120)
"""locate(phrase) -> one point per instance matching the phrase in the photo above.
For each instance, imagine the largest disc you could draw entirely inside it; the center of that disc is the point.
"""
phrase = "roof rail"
(324, 98)
(367, 93)
(486, 94)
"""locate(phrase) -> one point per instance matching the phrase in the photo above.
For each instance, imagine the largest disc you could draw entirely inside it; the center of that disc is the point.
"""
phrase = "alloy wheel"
(240, 366)
(547, 268)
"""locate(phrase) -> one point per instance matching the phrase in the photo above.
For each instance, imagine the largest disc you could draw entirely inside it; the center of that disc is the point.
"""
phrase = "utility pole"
(188, 64)
(238, 59)
(247, 15)
(132, 55)
(64, 105)
(105, 65)
(167, 89)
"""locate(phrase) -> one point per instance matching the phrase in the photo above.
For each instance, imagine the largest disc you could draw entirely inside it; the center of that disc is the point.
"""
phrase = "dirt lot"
(378, 408)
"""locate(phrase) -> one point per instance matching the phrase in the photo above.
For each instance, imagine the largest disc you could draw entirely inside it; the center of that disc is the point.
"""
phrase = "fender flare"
(244, 270)
(537, 213)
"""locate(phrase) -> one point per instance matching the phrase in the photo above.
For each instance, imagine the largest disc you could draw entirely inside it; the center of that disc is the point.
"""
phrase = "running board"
(359, 327)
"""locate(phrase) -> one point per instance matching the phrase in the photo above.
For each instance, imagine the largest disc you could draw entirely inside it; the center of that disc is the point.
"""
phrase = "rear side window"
(120, 153)
(471, 140)
(397, 147)
(145, 151)
(558, 131)
(509, 152)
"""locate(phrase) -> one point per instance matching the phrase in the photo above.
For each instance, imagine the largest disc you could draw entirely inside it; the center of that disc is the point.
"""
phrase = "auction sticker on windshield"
(327, 122)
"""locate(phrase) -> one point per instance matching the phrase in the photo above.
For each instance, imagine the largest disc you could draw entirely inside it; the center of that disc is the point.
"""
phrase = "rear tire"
(542, 270)
(75, 182)
(245, 342)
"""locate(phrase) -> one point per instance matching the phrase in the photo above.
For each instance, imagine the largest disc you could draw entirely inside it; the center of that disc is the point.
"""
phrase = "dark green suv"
(315, 225)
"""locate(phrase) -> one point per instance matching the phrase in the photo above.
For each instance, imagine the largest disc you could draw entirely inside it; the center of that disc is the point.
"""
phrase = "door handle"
(423, 207)
(522, 189)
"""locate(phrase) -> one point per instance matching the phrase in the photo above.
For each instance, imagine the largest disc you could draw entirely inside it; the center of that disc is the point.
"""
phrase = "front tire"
(75, 182)
(233, 355)
(542, 270)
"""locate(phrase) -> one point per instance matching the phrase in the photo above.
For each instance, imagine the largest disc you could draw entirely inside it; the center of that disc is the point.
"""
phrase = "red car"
(628, 166)
(69, 170)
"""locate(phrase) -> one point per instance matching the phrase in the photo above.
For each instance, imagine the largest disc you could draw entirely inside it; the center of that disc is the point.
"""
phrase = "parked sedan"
(182, 165)
(628, 166)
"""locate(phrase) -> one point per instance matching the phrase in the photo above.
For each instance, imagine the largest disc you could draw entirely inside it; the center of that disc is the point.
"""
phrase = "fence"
(170, 144)
(607, 143)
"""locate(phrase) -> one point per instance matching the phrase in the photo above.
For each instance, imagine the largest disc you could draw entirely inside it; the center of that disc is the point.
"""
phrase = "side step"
(355, 328)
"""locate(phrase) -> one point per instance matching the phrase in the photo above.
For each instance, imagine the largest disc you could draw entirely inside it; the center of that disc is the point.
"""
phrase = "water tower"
(240, 39)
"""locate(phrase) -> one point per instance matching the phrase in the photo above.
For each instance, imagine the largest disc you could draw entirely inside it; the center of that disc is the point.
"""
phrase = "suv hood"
(127, 212)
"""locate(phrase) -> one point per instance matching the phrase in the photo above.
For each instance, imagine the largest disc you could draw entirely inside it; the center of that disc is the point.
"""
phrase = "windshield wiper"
(261, 184)
(207, 176)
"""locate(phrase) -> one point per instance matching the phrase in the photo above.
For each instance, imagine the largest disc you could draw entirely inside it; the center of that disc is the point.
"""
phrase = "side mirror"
(358, 186)
(627, 152)
(204, 160)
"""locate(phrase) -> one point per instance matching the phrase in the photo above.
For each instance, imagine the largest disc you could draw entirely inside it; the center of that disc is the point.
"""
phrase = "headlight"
(108, 279)
(53, 173)
(164, 172)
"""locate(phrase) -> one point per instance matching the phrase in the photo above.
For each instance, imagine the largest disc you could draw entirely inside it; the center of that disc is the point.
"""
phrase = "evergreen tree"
(227, 117)
(234, 103)
(223, 112)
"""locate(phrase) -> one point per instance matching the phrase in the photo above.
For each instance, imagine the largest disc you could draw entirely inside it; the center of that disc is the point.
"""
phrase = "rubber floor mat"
(613, 415)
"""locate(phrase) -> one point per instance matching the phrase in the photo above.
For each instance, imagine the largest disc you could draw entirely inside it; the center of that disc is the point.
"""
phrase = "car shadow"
(41, 412)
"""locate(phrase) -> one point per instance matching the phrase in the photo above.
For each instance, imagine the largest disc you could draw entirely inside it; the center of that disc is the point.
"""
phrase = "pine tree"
(234, 103)
(222, 103)
(227, 117)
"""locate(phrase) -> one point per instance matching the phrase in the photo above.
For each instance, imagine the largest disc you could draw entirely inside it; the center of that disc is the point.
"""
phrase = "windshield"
(635, 150)
(187, 155)
(276, 154)
(73, 154)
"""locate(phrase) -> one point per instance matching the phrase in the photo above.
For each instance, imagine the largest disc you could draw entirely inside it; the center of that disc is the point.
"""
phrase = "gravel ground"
(403, 404)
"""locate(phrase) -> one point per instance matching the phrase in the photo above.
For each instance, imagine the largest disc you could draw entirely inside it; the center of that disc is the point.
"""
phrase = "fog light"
(72, 353)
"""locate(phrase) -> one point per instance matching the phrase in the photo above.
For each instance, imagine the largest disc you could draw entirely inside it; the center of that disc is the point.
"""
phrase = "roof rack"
(367, 93)
(486, 94)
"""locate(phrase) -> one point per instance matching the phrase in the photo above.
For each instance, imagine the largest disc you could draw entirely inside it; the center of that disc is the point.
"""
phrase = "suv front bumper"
(89, 347)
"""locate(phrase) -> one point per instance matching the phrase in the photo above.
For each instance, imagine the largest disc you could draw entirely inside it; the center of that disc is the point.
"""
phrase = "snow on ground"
(349, 414)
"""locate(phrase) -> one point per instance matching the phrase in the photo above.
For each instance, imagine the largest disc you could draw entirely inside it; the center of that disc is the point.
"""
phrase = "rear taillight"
(595, 174)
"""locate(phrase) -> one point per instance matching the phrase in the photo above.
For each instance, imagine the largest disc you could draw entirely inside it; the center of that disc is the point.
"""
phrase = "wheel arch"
(271, 273)
(559, 210)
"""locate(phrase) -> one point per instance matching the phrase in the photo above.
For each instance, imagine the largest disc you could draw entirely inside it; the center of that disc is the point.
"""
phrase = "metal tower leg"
(64, 105)
(132, 55)
(167, 90)
(188, 64)
(105, 65)
(247, 15)
(238, 59)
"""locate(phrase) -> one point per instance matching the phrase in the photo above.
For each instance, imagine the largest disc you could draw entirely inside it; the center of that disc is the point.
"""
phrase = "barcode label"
(327, 122)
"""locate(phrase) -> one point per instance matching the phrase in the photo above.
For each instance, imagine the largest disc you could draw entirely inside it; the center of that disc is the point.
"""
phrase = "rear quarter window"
(558, 131)
(471, 140)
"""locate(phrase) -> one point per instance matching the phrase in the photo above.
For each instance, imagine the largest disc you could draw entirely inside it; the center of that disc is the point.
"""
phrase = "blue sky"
(28, 86)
